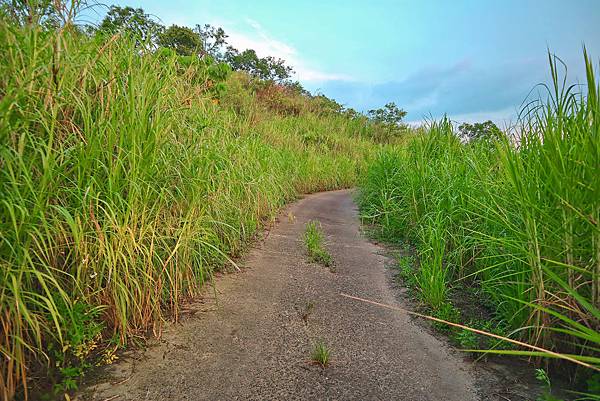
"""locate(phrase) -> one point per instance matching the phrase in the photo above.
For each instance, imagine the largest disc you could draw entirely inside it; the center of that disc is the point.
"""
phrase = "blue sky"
(474, 60)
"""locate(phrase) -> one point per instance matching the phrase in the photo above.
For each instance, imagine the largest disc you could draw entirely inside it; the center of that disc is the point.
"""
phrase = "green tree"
(27, 12)
(352, 114)
(214, 41)
(295, 87)
(386, 123)
(390, 114)
(326, 105)
(133, 21)
(486, 130)
(182, 39)
(267, 68)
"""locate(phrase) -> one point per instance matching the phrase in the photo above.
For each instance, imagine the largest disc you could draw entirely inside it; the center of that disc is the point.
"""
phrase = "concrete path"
(255, 341)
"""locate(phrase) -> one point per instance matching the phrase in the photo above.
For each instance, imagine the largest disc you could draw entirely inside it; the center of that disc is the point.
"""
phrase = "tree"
(386, 123)
(352, 114)
(325, 105)
(486, 130)
(23, 12)
(267, 68)
(276, 69)
(390, 114)
(182, 39)
(133, 21)
(214, 40)
(203, 40)
(295, 87)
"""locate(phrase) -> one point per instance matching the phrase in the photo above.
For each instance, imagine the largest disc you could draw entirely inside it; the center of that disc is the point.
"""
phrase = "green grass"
(314, 240)
(321, 354)
(431, 276)
(516, 217)
(125, 183)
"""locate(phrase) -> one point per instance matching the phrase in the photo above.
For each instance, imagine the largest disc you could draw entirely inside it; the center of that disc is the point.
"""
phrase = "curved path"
(254, 342)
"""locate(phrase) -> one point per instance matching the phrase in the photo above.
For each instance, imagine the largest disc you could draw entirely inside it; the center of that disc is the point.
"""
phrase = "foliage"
(406, 271)
(445, 311)
(389, 114)
(133, 21)
(214, 40)
(541, 375)
(125, 183)
(81, 337)
(479, 131)
(467, 339)
(204, 40)
(182, 39)
(519, 219)
(296, 87)
(386, 123)
(327, 105)
(23, 12)
(432, 274)
(265, 68)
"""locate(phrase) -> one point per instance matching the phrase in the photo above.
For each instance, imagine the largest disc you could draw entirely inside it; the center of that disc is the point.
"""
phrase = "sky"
(471, 60)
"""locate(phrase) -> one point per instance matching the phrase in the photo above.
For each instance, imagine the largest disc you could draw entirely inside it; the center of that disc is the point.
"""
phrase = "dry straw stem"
(485, 333)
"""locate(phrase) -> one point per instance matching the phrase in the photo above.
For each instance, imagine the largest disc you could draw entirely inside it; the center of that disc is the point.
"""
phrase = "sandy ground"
(253, 342)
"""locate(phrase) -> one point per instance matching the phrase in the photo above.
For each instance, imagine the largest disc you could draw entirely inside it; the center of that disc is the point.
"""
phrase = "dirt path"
(253, 343)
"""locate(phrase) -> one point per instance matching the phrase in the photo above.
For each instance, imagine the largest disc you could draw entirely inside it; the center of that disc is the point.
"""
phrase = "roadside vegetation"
(135, 161)
(513, 218)
(138, 159)
(314, 239)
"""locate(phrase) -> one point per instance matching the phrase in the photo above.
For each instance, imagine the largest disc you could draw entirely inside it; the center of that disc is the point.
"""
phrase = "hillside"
(138, 161)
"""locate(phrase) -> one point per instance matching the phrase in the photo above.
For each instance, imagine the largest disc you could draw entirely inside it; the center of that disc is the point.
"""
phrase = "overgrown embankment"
(515, 220)
(127, 177)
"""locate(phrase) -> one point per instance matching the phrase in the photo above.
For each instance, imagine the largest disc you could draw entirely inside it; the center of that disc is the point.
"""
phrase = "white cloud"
(264, 44)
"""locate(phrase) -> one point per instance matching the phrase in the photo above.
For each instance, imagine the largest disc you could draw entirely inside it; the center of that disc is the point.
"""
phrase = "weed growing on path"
(314, 240)
(321, 354)
(308, 309)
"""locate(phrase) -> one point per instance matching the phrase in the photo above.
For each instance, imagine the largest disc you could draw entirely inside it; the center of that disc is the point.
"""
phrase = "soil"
(250, 337)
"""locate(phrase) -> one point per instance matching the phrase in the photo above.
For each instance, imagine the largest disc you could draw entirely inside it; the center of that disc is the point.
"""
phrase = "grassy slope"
(518, 222)
(124, 185)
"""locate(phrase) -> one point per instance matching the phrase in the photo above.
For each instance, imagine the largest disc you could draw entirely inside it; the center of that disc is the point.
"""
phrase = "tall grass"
(518, 218)
(124, 184)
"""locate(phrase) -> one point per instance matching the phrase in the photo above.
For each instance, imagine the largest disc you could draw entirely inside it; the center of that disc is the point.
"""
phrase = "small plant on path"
(321, 354)
(314, 241)
(307, 311)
